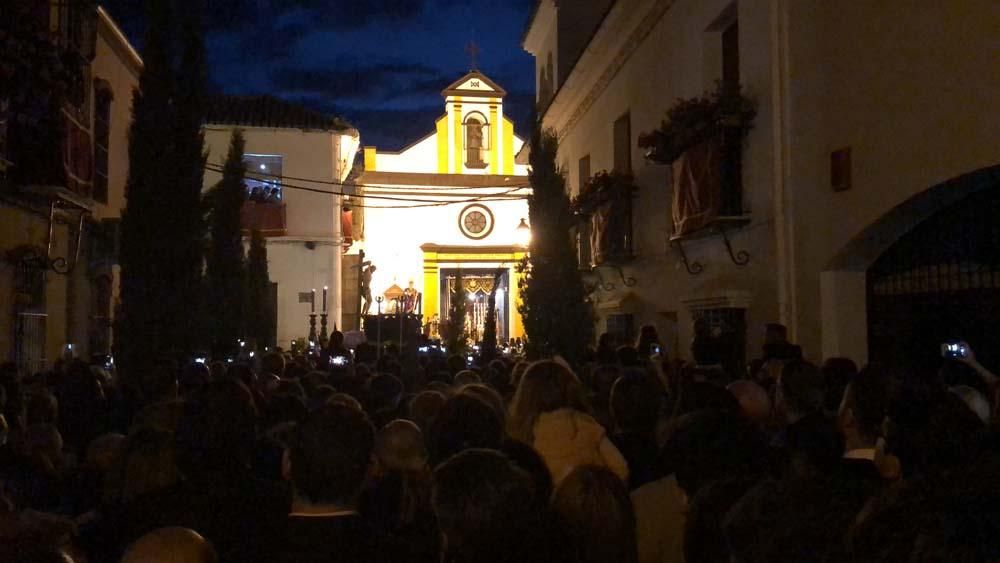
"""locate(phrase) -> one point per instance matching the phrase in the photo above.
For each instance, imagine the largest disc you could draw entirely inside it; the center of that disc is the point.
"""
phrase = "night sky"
(381, 64)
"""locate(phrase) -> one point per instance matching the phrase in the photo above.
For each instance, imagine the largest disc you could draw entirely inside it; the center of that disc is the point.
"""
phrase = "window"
(732, 138)
(731, 57)
(623, 143)
(721, 337)
(263, 177)
(102, 133)
(584, 172)
(621, 327)
(477, 140)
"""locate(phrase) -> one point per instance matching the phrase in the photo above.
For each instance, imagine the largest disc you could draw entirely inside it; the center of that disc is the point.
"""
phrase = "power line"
(219, 168)
(419, 203)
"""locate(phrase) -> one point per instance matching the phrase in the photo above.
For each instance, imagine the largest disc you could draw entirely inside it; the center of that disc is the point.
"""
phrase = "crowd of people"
(394, 455)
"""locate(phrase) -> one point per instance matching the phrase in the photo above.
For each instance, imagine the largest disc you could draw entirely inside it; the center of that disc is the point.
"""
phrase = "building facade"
(297, 163)
(450, 204)
(63, 168)
(869, 134)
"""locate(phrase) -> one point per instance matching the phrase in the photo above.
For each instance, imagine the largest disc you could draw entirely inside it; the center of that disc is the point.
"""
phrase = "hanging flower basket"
(694, 121)
(604, 207)
(603, 188)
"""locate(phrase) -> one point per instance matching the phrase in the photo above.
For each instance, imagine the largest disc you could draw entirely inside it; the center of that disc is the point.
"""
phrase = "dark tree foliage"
(224, 260)
(162, 226)
(456, 338)
(259, 313)
(558, 318)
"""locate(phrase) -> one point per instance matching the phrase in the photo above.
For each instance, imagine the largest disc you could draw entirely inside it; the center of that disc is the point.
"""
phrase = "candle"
(324, 298)
(312, 302)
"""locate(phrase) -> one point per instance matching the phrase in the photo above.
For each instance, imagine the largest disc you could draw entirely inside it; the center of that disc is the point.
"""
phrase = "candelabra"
(312, 329)
(323, 335)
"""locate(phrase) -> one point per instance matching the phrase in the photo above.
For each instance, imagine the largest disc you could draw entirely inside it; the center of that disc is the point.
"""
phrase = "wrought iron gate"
(938, 282)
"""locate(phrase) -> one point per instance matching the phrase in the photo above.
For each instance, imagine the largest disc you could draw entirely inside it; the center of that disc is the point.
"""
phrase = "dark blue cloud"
(379, 63)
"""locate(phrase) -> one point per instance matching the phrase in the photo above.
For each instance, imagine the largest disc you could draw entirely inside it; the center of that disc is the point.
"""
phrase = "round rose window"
(476, 222)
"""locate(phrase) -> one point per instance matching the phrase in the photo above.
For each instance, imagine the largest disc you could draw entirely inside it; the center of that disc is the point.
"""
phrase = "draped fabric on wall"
(697, 187)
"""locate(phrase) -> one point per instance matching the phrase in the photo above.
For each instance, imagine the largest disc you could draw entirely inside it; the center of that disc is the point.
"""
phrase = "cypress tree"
(188, 164)
(260, 329)
(558, 318)
(162, 228)
(457, 339)
(224, 261)
(488, 349)
(141, 337)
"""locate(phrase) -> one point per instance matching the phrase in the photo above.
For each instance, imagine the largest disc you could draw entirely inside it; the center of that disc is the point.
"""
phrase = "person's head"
(704, 541)
(799, 391)
(485, 507)
(931, 520)
(547, 386)
(329, 456)
(43, 408)
(754, 402)
(628, 356)
(176, 545)
(711, 445)
(837, 373)
(336, 339)
(490, 396)
(929, 430)
(104, 452)
(399, 446)
(386, 391)
(595, 510)
(466, 377)
(195, 376)
(160, 384)
(424, 408)
(218, 428)
(149, 463)
(862, 410)
(815, 447)
(774, 332)
(345, 400)
(635, 405)
(273, 363)
(465, 422)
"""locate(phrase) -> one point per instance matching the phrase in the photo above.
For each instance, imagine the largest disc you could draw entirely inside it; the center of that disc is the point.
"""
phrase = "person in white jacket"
(548, 414)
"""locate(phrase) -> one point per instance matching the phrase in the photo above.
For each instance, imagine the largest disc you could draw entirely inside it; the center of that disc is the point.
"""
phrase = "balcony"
(268, 218)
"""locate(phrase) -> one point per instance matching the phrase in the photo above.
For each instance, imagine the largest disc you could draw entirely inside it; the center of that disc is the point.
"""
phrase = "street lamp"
(522, 234)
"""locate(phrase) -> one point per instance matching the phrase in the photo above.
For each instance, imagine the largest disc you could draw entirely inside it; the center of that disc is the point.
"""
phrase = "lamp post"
(522, 234)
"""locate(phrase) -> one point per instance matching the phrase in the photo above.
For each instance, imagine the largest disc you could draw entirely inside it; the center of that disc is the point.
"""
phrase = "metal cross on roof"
(473, 51)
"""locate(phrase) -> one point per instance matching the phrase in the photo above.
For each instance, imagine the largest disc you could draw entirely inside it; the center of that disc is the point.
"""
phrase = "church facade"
(448, 207)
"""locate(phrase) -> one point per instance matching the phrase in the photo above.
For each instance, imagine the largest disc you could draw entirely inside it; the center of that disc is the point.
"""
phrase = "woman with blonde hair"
(548, 414)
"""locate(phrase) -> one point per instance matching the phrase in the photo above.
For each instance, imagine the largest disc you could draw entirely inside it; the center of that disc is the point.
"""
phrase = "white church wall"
(395, 247)
(420, 157)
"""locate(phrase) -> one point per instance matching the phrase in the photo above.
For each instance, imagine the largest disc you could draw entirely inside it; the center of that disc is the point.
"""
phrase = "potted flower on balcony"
(604, 207)
(702, 139)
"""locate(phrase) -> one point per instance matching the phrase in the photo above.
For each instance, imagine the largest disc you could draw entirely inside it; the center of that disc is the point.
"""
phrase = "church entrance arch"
(928, 271)
(478, 265)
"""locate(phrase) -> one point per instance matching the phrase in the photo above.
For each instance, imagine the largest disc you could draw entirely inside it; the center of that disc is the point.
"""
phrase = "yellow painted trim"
(494, 142)
(442, 140)
(370, 153)
(459, 140)
(432, 288)
(508, 146)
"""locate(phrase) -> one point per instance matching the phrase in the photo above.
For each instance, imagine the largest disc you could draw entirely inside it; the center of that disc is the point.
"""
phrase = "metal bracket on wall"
(741, 258)
(626, 281)
(693, 268)
(599, 283)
